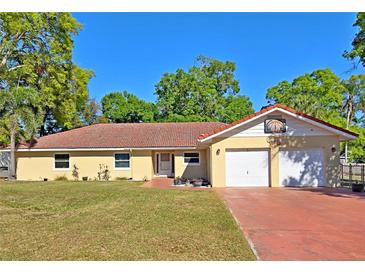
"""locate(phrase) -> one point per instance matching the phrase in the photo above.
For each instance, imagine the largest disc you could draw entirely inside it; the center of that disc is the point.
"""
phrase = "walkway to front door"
(300, 224)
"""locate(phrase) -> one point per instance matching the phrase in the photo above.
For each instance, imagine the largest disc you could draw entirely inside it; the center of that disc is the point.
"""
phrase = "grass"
(115, 221)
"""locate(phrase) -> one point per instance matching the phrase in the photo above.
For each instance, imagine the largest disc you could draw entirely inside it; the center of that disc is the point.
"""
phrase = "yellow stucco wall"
(142, 165)
(39, 165)
(190, 171)
(217, 161)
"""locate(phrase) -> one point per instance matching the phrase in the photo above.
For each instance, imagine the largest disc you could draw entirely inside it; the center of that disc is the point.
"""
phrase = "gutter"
(97, 149)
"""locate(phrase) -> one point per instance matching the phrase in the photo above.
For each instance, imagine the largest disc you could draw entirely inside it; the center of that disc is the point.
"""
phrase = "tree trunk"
(42, 130)
(12, 170)
(348, 118)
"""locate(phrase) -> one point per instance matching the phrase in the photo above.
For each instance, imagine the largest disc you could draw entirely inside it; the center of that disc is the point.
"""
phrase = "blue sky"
(131, 51)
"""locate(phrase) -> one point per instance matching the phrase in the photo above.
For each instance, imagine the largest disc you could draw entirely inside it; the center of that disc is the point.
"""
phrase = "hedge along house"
(276, 146)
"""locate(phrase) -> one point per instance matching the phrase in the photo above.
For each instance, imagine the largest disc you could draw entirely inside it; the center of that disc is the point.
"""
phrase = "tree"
(353, 109)
(36, 52)
(357, 147)
(90, 112)
(20, 109)
(325, 96)
(354, 101)
(124, 107)
(37, 73)
(236, 108)
(319, 94)
(358, 44)
(202, 93)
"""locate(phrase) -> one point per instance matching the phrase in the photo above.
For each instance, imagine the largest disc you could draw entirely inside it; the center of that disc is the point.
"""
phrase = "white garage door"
(301, 167)
(247, 168)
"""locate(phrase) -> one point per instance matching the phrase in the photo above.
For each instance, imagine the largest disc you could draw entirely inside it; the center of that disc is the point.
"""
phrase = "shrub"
(121, 178)
(104, 173)
(61, 178)
(75, 173)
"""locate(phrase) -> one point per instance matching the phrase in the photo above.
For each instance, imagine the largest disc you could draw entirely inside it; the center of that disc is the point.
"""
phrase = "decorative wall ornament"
(275, 126)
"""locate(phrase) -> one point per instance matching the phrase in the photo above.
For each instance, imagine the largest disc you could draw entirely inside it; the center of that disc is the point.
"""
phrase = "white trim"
(61, 169)
(159, 161)
(191, 164)
(130, 162)
(336, 131)
(98, 149)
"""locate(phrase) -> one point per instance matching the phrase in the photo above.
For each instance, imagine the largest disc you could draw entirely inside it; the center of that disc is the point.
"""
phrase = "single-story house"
(275, 147)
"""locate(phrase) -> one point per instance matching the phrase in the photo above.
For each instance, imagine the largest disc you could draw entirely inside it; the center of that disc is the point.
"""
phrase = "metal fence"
(352, 172)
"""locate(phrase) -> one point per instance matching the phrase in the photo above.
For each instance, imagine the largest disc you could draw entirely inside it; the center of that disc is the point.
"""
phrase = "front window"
(122, 160)
(191, 158)
(62, 161)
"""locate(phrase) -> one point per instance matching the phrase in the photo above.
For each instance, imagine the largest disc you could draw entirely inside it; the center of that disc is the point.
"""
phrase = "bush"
(75, 173)
(121, 178)
(104, 173)
(61, 178)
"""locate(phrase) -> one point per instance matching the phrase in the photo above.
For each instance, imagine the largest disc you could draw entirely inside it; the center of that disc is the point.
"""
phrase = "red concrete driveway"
(300, 224)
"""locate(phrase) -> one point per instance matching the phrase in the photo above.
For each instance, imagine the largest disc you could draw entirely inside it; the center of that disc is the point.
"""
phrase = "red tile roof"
(224, 127)
(147, 135)
(126, 135)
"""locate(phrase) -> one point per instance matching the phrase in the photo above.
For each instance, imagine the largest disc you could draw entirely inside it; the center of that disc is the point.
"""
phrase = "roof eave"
(100, 149)
(347, 135)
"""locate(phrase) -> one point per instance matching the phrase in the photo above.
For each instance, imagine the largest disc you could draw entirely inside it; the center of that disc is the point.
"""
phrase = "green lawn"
(115, 221)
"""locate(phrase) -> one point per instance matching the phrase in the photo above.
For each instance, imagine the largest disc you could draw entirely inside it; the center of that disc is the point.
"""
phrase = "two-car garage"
(275, 147)
(297, 167)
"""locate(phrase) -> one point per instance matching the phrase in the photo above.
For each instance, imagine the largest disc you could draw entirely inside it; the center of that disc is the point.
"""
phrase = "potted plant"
(357, 187)
(176, 180)
(197, 182)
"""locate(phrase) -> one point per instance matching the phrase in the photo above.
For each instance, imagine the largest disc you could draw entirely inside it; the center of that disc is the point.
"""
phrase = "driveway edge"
(250, 242)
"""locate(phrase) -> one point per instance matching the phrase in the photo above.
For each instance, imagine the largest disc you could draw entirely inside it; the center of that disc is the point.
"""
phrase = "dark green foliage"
(208, 91)
(327, 97)
(319, 93)
(36, 53)
(358, 44)
(124, 107)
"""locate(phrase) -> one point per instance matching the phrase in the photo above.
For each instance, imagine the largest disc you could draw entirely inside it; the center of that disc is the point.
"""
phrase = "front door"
(165, 164)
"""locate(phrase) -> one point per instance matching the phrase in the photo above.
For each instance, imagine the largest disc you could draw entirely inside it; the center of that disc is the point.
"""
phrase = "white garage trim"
(247, 168)
(311, 120)
(302, 167)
